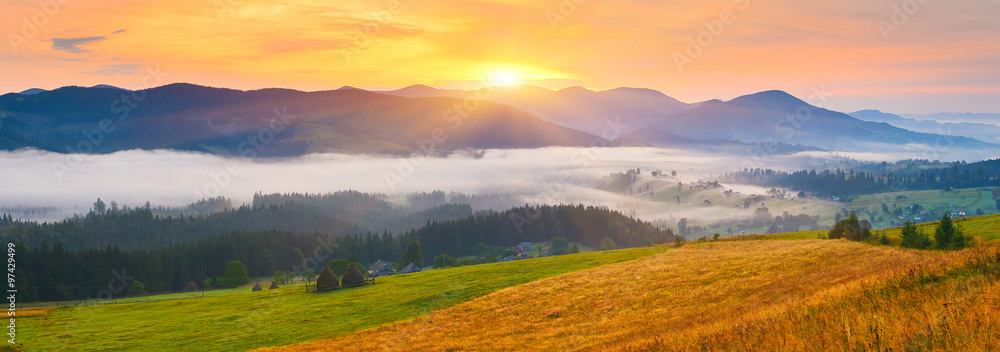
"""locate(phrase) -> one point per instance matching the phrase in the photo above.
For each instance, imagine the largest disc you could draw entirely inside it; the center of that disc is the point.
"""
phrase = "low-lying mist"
(71, 183)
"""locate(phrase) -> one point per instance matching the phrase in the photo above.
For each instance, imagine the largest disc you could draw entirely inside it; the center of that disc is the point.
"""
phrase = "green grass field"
(986, 227)
(238, 320)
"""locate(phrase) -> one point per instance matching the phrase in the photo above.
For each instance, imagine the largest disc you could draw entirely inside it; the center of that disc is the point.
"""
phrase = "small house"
(410, 269)
(526, 246)
(380, 269)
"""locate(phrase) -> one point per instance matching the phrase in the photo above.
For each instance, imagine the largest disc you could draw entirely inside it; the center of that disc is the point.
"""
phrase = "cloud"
(109, 70)
(119, 31)
(73, 44)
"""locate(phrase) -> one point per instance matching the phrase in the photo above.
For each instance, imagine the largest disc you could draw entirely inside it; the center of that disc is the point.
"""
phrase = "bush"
(338, 266)
(327, 281)
(560, 245)
(236, 274)
(444, 261)
(851, 229)
(608, 244)
(353, 277)
(191, 287)
(137, 288)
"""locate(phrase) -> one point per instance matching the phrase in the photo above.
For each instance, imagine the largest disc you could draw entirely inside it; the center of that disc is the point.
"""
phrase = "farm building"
(526, 246)
(508, 258)
(412, 268)
(380, 269)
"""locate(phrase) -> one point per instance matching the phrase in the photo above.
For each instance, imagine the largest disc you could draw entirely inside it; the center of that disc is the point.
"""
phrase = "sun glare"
(505, 78)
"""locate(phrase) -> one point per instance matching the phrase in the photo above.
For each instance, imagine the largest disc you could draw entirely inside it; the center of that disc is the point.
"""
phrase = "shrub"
(137, 288)
(444, 261)
(353, 277)
(191, 286)
(338, 266)
(256, 287)
(608, 244)
(236, 274)
(207, 284)
(851, 229)
(274, 285)
(327, 281)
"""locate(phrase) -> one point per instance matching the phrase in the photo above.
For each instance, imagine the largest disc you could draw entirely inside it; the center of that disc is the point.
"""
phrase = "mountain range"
(267, 122)
(652, 118)
(283, 122)
(987, 132)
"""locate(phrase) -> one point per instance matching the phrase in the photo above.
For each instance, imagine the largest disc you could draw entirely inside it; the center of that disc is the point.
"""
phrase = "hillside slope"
(240, 320)
(688, 298)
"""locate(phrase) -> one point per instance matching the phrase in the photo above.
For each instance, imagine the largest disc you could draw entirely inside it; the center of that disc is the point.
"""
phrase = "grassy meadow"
(696, 290)
(239, 320)
(778, 292)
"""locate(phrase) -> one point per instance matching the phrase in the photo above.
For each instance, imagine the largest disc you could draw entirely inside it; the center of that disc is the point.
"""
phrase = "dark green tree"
(236, 274)
(914, 237)
(413, 254)
(948, 236)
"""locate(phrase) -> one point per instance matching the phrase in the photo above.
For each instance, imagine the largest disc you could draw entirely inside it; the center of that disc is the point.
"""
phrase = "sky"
(900, 56)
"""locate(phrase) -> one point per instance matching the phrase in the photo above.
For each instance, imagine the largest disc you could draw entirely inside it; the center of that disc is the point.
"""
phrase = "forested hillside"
(139, 228)
(846, 183)
(55, 270)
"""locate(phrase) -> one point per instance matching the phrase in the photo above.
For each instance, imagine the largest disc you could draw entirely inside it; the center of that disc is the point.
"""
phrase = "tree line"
(139, 228)
(56, 271)
(846, 183)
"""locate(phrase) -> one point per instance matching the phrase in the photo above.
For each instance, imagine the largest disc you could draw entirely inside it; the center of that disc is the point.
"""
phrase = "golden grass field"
(730, 295)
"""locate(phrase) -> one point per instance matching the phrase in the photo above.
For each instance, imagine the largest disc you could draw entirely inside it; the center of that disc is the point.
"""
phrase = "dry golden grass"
(734, 296)
(32, 312)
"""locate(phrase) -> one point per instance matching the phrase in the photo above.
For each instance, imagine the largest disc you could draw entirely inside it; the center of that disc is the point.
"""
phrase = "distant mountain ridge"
(266, 122)
(986, 132)
(233, 122)
(575, 107)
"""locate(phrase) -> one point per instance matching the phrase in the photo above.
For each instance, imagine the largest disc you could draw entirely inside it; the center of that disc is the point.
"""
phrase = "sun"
(505, 78)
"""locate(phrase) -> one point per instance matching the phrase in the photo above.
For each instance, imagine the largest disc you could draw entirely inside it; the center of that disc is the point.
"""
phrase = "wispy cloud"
(119, 31)
(73, 45)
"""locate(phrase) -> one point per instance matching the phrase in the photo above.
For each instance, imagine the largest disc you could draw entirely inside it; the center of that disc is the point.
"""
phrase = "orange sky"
(942, 57)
